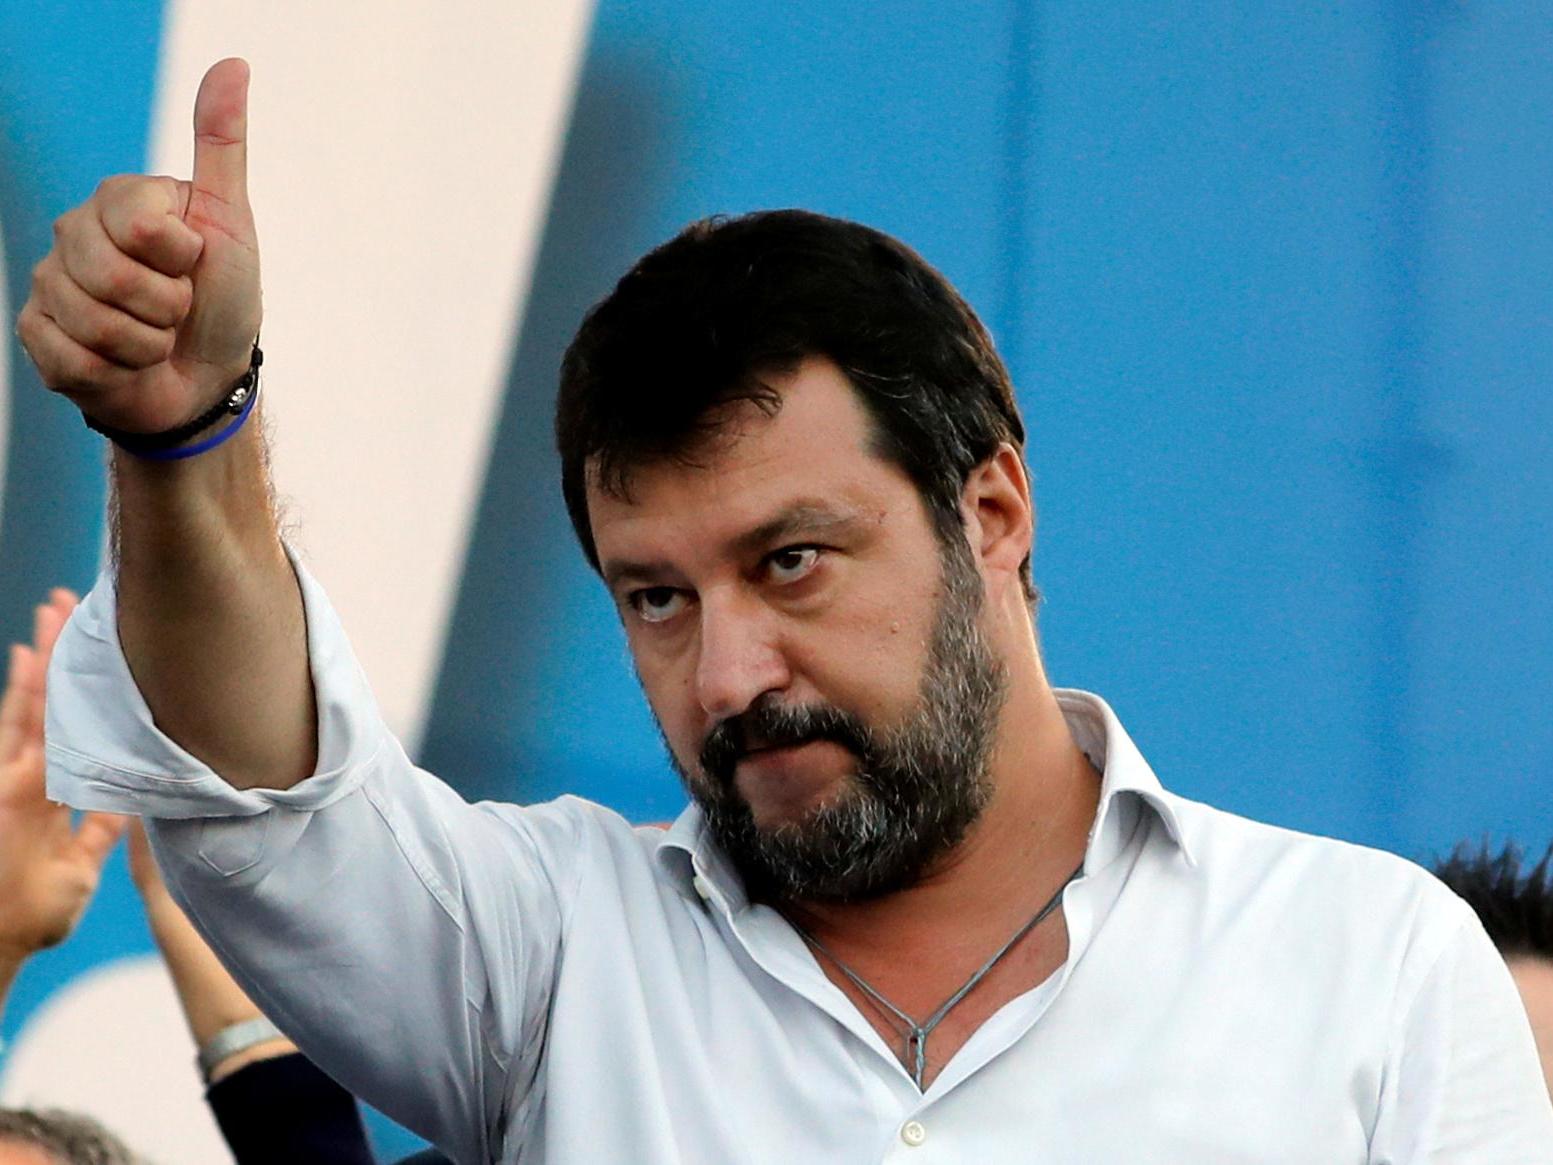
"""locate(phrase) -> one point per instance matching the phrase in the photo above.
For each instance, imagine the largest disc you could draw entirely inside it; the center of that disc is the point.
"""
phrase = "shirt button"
(702, 886)
(913, 1133)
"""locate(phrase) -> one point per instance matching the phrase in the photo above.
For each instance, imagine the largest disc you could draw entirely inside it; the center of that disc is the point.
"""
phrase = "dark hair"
(71, 1138)
(1516, 908)
(695, 322)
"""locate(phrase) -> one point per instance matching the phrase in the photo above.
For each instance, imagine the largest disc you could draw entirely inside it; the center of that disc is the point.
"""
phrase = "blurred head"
(1516, 908)
(51, 1137)
(791, 452)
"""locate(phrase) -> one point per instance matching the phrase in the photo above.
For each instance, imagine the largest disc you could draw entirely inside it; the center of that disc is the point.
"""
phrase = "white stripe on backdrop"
(401, 159)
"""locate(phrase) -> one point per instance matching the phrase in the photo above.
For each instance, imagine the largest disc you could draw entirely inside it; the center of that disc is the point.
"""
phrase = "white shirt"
(550, 984)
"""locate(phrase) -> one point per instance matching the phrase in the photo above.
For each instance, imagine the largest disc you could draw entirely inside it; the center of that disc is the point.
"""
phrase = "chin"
(776, 811)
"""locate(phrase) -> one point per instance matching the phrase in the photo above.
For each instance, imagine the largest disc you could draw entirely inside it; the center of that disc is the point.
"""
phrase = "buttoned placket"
(777, 949)
(1116, 841)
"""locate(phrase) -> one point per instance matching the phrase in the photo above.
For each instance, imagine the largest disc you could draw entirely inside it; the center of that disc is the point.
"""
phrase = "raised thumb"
(221, 138)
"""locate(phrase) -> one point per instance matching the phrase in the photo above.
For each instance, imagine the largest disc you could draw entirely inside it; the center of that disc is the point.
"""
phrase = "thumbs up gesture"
(145, 310)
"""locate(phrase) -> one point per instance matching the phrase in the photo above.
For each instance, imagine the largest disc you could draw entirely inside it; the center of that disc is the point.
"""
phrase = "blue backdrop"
(1273, 282)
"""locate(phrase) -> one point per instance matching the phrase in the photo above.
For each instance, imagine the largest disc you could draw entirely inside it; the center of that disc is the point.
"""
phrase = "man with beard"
(924, 906)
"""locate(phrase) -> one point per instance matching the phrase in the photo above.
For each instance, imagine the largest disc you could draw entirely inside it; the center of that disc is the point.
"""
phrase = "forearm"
(209, 615)
(212, 1001)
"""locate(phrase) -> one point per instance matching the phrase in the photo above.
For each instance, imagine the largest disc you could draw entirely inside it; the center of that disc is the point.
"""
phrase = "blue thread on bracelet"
(208, 443)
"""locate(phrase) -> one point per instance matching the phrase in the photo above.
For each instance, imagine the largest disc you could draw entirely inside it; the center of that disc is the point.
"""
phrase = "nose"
(740, 655)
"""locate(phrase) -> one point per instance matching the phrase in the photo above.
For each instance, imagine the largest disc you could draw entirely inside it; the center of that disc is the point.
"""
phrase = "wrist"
(255, 1038)
(213, 427)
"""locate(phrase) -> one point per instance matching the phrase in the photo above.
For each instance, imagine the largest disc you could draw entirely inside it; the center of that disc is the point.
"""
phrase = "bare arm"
(143, 314)
(211, 999)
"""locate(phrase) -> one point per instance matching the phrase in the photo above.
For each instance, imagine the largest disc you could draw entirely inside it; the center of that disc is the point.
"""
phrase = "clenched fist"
(145, 311)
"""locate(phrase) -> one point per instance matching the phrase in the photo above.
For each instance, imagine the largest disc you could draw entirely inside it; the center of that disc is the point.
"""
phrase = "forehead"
(815, 450)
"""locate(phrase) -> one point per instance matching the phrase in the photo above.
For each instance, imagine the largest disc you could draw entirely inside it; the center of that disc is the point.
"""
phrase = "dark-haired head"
(1515, 903)
(696, 321)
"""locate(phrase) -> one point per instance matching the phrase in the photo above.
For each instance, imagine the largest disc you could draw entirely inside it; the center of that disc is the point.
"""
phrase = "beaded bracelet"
(168, 445)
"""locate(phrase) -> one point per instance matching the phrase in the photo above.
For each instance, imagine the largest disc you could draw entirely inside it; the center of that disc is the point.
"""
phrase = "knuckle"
(121, 280)
(165, 188)
(182, 297)
(27, 326)
(112, 185)
(75, 375)
(95, 331)
(89, 370)
(143, 230)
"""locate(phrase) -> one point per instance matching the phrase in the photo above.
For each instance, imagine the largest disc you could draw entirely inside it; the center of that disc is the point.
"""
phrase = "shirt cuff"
(104, 752)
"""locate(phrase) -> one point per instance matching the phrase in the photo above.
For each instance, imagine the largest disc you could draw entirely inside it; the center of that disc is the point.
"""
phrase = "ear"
(999, 517)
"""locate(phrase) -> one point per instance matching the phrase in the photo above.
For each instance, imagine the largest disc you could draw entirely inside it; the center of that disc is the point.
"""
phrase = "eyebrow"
(800, 518)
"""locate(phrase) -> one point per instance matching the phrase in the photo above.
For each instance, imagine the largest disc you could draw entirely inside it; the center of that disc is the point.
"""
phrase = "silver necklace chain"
(916, 1034)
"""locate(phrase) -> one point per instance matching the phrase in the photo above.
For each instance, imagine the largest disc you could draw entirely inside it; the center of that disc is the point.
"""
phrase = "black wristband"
(231, 404)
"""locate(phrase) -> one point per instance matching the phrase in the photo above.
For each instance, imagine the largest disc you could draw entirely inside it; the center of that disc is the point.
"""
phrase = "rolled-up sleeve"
(405, 939)
(105, 752)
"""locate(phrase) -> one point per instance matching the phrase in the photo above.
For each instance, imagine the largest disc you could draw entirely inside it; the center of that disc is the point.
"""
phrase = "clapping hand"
(49, 864)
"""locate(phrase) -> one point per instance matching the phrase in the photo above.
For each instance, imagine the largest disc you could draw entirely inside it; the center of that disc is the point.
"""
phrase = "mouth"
(783, 781)
(774, 752)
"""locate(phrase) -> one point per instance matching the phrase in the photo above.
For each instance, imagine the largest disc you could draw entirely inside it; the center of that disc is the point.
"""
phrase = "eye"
(657, 604)
(791, 563)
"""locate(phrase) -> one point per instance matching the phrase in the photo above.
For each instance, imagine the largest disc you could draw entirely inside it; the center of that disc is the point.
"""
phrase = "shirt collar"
(697, 864)
(1127, 781)
(694, 862)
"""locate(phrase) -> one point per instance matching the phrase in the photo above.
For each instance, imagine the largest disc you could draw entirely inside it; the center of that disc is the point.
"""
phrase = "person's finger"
(143, 218)
(65, 365)
(102, 270)
(47, 622)
(143, 869)
(11, 714)
(220, 179)
(110, 332)
(30, 679)
(64, 600)
(97, 833)
(25, 789)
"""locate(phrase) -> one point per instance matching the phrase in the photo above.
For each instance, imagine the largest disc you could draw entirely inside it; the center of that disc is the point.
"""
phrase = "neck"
(1027, 841)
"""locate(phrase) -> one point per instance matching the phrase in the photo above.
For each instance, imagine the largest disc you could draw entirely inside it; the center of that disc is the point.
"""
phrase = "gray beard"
(918, 786)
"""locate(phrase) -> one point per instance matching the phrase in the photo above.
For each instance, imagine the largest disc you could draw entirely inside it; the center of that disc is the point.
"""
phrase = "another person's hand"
(49, 865)
(211, 999)
(145, 311)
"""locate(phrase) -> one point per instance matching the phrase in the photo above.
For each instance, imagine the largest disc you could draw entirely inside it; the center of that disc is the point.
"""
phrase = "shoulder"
(580, 836)
(571, 820)
(1368, 898)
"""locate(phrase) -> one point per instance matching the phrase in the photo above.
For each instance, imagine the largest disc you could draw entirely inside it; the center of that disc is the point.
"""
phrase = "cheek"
(670, 696)
(869, 654)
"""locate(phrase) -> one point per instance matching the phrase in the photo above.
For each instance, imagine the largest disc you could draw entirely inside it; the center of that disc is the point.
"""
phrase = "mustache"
(769, 724)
